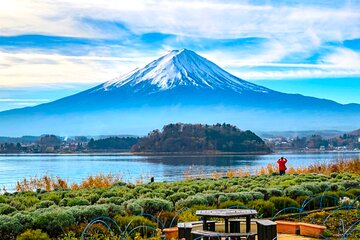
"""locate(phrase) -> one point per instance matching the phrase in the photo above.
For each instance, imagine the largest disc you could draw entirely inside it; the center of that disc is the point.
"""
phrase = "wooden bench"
(185, 228)
(219, 235)
(266, 229)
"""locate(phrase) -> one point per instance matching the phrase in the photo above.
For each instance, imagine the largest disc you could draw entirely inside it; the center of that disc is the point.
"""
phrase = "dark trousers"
(282, 172)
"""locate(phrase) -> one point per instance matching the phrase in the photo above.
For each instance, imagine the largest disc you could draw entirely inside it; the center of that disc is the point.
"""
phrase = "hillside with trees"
(112, 143)
(201, 138)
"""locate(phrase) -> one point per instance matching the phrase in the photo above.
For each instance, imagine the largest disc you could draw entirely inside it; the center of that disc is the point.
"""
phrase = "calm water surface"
(164, 168)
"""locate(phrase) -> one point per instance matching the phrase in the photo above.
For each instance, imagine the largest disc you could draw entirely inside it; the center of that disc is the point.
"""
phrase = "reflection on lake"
(163, 168)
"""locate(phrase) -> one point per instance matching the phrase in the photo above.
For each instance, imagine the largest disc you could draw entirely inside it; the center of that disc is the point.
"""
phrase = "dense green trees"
(50, 141)
(199, 138)
(114, 143)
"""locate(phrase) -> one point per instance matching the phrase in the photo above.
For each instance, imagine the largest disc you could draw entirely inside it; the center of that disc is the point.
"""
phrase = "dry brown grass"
(339, 166)
(47, 183)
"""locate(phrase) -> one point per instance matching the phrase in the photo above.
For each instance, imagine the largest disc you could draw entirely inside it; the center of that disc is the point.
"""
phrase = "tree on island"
(112, 143)
(181, 137)
(50, 141)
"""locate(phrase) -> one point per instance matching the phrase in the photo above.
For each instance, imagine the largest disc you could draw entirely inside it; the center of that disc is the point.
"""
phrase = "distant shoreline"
(137, 153)
(171, 153)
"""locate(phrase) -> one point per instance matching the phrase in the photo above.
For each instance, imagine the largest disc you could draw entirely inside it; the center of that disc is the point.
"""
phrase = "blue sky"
(50, 49)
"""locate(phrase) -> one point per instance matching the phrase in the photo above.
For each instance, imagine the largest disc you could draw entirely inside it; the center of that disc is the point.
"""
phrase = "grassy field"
(58, 210)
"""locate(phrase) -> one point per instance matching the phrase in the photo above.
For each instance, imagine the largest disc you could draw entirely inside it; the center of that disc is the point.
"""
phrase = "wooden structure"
(218, 235)
(266, 229)
(227, 214)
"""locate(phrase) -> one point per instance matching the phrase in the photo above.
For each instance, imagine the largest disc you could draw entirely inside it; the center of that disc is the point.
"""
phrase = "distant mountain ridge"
(355, 132)
(178, 87)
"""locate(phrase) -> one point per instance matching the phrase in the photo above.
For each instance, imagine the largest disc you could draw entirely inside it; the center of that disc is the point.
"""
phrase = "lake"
(164, 168)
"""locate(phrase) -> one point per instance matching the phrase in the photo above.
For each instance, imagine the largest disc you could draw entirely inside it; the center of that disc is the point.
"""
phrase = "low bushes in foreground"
(63, 214)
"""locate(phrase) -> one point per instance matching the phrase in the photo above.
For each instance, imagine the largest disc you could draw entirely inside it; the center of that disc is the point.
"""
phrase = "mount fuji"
(178, 87)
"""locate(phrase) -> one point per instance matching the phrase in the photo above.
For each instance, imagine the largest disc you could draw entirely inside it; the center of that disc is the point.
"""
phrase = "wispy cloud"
(63, 42)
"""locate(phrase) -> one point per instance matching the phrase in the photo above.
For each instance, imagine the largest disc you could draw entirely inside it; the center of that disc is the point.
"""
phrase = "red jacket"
(282, 163)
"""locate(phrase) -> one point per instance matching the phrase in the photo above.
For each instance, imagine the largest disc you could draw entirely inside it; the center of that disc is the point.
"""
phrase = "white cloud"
(33, 69)
(343, 58)
(213, 19)
(297, 29)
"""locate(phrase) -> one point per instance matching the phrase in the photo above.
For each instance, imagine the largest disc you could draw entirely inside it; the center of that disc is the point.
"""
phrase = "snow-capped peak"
(180, 68)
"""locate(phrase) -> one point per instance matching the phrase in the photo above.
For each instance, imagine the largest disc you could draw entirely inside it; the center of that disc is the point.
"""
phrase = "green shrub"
(116, 200)
(211, 198)
(3, 199)
(257, 195)
(70, 235)
(86, 213)
(202, 207)
(295, 191)
(63, 202)
(264, 191)
(10, 227)
(334, 175)
(148, 205)
(69, 194)
(114, 209)
(25, 219)
(44, 204)
(93, 198)
(110, 193)
(53, 220)
(33, 235)
(312, 187)
(222, 198)
(324, 186)
(245, 197)
(154, 195)
(198, 199)
(329, 198)
(351, 183)
(264, 208)
(188, 216)
(52, 196)
(283, 202)
(274, 192)
(177, 196)
(228, 204)
(28, 201)
(355, 192)
(103, 201)
(133, 207)
(78, 201)
(18, 204)
(336, 187)
(6, 209)
(185, 189)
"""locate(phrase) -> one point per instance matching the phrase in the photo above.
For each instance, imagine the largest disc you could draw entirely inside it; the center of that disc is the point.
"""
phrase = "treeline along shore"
(176, 138)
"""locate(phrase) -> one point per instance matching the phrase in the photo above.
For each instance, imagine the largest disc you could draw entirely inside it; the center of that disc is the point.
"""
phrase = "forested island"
(173, 138)
(176, 138)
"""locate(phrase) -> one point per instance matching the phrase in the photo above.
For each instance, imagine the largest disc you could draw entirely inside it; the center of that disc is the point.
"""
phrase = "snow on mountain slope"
(180, 68)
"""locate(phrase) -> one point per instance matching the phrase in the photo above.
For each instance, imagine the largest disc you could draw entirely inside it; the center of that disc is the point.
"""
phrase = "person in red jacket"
(282, 161)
